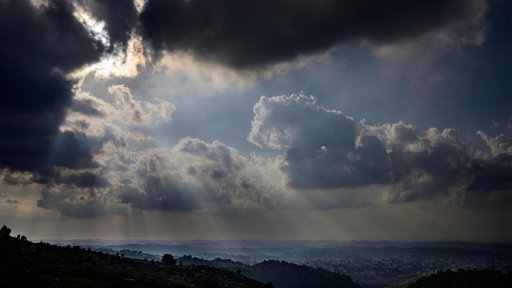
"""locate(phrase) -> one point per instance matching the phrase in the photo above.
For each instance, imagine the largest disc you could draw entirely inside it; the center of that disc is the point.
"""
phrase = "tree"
(5, 232)
(168, 259)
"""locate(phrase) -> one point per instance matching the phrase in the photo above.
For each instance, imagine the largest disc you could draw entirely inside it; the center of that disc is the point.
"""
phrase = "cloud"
(79, 202)
(191, 176)
(491, 168)
(326, 149)
(329, 161)
(72, 150)
(105, 161)
(196, 175)
(124, 99)
(162, 193)
(71, 178)
(320, 144)
(39, 46)
(235, 182)
(42, 45)
(276, 125)
(120, 17)
(14, 178)
(499, 144)
(431, 163)
(255, 35)
(129, 117)
(86, 107)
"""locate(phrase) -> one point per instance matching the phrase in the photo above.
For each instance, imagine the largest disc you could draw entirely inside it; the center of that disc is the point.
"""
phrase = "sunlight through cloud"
(95, 27)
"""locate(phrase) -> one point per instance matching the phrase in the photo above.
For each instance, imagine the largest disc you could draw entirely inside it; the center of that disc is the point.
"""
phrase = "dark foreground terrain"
(27, 264)
(465, 278)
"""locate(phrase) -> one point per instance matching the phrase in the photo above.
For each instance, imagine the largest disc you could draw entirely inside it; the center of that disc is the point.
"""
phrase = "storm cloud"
(247, 35)
(326, 149)
(120, 17)
(39, 46)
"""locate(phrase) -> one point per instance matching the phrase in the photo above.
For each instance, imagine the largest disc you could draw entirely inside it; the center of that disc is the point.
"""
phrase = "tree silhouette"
(5, 232)
(168, 259)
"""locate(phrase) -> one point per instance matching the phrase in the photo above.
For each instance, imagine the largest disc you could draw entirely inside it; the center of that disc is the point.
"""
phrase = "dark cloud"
(76, 179)
(120, 17)
(162, 193)
(436, 163)
(80, 203)
(320, 144)
(252, 35)
(160, 187)
(46, 39)
(492, 175)
(86, 107)
(491, 181)
(326, 149)
(39, 46)
(86, 179)
(72, 150)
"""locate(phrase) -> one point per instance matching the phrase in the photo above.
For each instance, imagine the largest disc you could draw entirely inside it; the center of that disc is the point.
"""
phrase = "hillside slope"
(280, 273)
(287, 275)
(27, 264)
(465, 278)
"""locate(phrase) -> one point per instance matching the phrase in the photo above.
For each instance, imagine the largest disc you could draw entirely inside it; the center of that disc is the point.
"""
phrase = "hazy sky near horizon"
(225, 119)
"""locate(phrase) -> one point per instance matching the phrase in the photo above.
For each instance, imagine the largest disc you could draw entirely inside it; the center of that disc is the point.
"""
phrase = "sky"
(280, 120)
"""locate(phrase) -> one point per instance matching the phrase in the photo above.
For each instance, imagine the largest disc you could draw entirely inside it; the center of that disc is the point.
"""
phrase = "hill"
(287, 275)
(465, 278)
(27, 264)
(280, 273)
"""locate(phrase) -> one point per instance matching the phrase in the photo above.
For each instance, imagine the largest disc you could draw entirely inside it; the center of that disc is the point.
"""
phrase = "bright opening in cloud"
(95, 27)
(121, 62)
